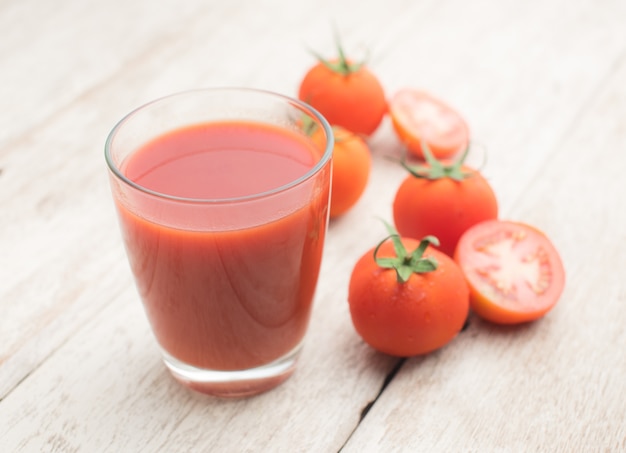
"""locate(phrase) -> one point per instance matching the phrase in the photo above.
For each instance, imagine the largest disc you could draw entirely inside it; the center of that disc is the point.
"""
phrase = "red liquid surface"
(234, 299)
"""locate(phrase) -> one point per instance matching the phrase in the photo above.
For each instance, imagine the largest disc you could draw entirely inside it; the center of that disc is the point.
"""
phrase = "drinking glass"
(222, 198)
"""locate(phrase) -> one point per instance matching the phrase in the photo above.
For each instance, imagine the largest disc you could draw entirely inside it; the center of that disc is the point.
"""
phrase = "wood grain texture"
(541, 84)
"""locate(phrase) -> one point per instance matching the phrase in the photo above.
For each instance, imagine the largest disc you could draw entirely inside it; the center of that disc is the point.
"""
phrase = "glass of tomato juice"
(222, 198)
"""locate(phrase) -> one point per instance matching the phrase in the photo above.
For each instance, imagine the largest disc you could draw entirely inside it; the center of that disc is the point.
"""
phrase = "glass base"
(233, 384)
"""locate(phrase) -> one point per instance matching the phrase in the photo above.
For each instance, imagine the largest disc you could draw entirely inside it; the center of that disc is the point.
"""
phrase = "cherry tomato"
(406, 304)
(419, 117)
(347, 94)
(514, 272)
(442, 200)
(352, 163)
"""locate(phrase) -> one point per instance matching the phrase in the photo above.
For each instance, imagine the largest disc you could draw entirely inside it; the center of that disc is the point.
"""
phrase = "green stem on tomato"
(343, 65)
(309, 126)
(404, 263)
(435, 169)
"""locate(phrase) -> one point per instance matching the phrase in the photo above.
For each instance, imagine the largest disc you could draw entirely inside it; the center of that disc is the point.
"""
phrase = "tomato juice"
(226, 284)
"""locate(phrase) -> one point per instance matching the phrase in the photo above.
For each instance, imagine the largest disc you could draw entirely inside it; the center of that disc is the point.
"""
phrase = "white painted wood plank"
(66, 269)
(107, 389)
(53, 52)
(80, 370)
(558, 384)
(54, 192)
(519, 72)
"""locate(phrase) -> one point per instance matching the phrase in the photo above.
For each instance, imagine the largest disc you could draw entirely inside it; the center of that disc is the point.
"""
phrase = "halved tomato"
(418, 116)
(513, 270)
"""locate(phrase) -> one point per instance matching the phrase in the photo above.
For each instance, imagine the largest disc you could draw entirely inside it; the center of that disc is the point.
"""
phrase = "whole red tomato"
(407, 303)
(352, 165)
(443, 201)
(347, 94)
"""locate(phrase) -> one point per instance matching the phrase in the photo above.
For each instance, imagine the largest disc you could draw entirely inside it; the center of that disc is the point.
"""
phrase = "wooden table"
(543, 86)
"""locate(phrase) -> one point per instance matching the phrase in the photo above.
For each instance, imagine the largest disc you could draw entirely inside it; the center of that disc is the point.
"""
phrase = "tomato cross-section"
(418, 117)
(514, 272)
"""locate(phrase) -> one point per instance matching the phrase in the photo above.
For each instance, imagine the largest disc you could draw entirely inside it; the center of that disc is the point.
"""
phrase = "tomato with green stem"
(443, 200)
(346, 93)
(407, 303)
(513, 270)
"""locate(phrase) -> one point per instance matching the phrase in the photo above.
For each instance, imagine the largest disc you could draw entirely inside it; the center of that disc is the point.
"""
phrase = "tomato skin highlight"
(412, 318)
(355, 101)
(514, 272)
(443, 207)
(418, 116)
(352, 163)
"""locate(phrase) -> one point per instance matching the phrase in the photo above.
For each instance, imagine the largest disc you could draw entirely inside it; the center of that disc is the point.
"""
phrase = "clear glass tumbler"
(222, 198)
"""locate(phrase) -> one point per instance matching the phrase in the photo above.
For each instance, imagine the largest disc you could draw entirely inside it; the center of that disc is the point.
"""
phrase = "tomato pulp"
(514, 272)
(235, 298)
(418, 117)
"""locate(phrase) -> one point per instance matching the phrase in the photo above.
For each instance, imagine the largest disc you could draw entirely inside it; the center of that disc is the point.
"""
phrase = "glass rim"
(301, 105)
